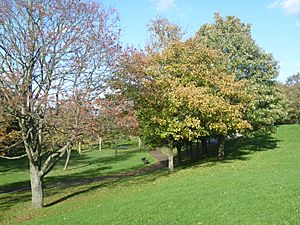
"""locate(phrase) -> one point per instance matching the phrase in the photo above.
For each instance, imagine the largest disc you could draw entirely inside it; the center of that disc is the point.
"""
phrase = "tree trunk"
(171, 162)
(192, 152)
(204, 146)
(187, 150)
(198, 150)
(221, 152)
(179, 155)
(140, 143)
(100, 143)
(68, 158)
(36, 182)
(79, 148)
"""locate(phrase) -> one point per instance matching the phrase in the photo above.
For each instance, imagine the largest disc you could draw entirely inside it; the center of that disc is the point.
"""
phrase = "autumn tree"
(52, 51)
(246, 60)
(190, 95)
(183, 91)
(112, 120)
(70, 111)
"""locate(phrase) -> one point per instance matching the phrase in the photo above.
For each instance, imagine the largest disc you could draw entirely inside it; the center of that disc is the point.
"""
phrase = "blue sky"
(275, 23)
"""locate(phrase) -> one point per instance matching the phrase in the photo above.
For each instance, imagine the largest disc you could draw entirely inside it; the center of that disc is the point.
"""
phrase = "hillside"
(258, 183)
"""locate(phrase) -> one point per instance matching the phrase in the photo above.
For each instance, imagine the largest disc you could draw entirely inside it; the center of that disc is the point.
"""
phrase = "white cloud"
(163, 5)
(274, 5)
(289, 6)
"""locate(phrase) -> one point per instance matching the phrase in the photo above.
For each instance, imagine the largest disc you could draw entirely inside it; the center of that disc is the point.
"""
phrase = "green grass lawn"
(258, 183)
(89, 164)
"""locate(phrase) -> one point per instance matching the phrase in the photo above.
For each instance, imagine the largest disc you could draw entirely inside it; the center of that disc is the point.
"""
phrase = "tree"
(190, 95)
(62, 121)
(163, 34)
(182, 90)
(53, 51)
(246, 60)
(113, 119)
(292, 93)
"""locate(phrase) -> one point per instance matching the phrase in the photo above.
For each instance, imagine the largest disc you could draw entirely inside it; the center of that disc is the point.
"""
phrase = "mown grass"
(14, 174)
(90, 164)
(258, 183)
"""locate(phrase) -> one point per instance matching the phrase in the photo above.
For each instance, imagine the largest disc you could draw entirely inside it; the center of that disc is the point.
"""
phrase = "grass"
(89, 164)
(258, 183)
(14, 174)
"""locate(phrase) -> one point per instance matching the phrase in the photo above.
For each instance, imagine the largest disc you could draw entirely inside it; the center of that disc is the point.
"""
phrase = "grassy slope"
(259, 184)
(14, 174)
(89, 164)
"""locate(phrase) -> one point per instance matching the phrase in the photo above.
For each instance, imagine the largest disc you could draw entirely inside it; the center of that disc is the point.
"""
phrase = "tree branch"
(13, 157)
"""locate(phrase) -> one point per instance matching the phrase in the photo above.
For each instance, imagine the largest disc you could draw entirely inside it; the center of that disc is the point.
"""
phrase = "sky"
(275, 23)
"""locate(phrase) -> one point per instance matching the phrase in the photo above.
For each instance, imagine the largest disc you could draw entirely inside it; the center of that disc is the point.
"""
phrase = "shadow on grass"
(9, 166)
(75, 193)
(236, 149)
(68, 192)
(241, 147)
(11, 199)
(126, 181)
(77, 176)
(77, 169)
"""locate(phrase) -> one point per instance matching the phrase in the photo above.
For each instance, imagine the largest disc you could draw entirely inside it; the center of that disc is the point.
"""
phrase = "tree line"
(216, 84)
(65, 79)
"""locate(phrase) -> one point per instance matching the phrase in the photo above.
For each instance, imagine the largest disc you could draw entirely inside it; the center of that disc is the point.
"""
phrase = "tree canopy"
(291, 89)
(191, 95)
(52, 52)
(215, 84)
(246, 60)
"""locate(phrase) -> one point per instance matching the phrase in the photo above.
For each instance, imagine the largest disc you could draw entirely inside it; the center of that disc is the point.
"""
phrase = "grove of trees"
(216, 84)
(65, 80)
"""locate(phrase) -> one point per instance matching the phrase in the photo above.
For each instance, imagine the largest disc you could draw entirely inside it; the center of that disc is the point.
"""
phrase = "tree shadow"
(77, 170)
(85, 159)
(117, 181)
(66, 197)
(100, 167)
(72, 190)
(19, 192)
(235, 149)
(240, 148)
(13, 165)
(9, 200)
(15, 187)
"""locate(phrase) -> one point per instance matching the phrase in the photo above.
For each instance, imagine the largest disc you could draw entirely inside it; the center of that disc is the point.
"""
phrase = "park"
(191, 128)
(257, 183)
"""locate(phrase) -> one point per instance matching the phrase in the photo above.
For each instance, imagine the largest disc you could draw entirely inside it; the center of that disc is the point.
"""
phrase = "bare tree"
(51, 51)
(162, 34)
